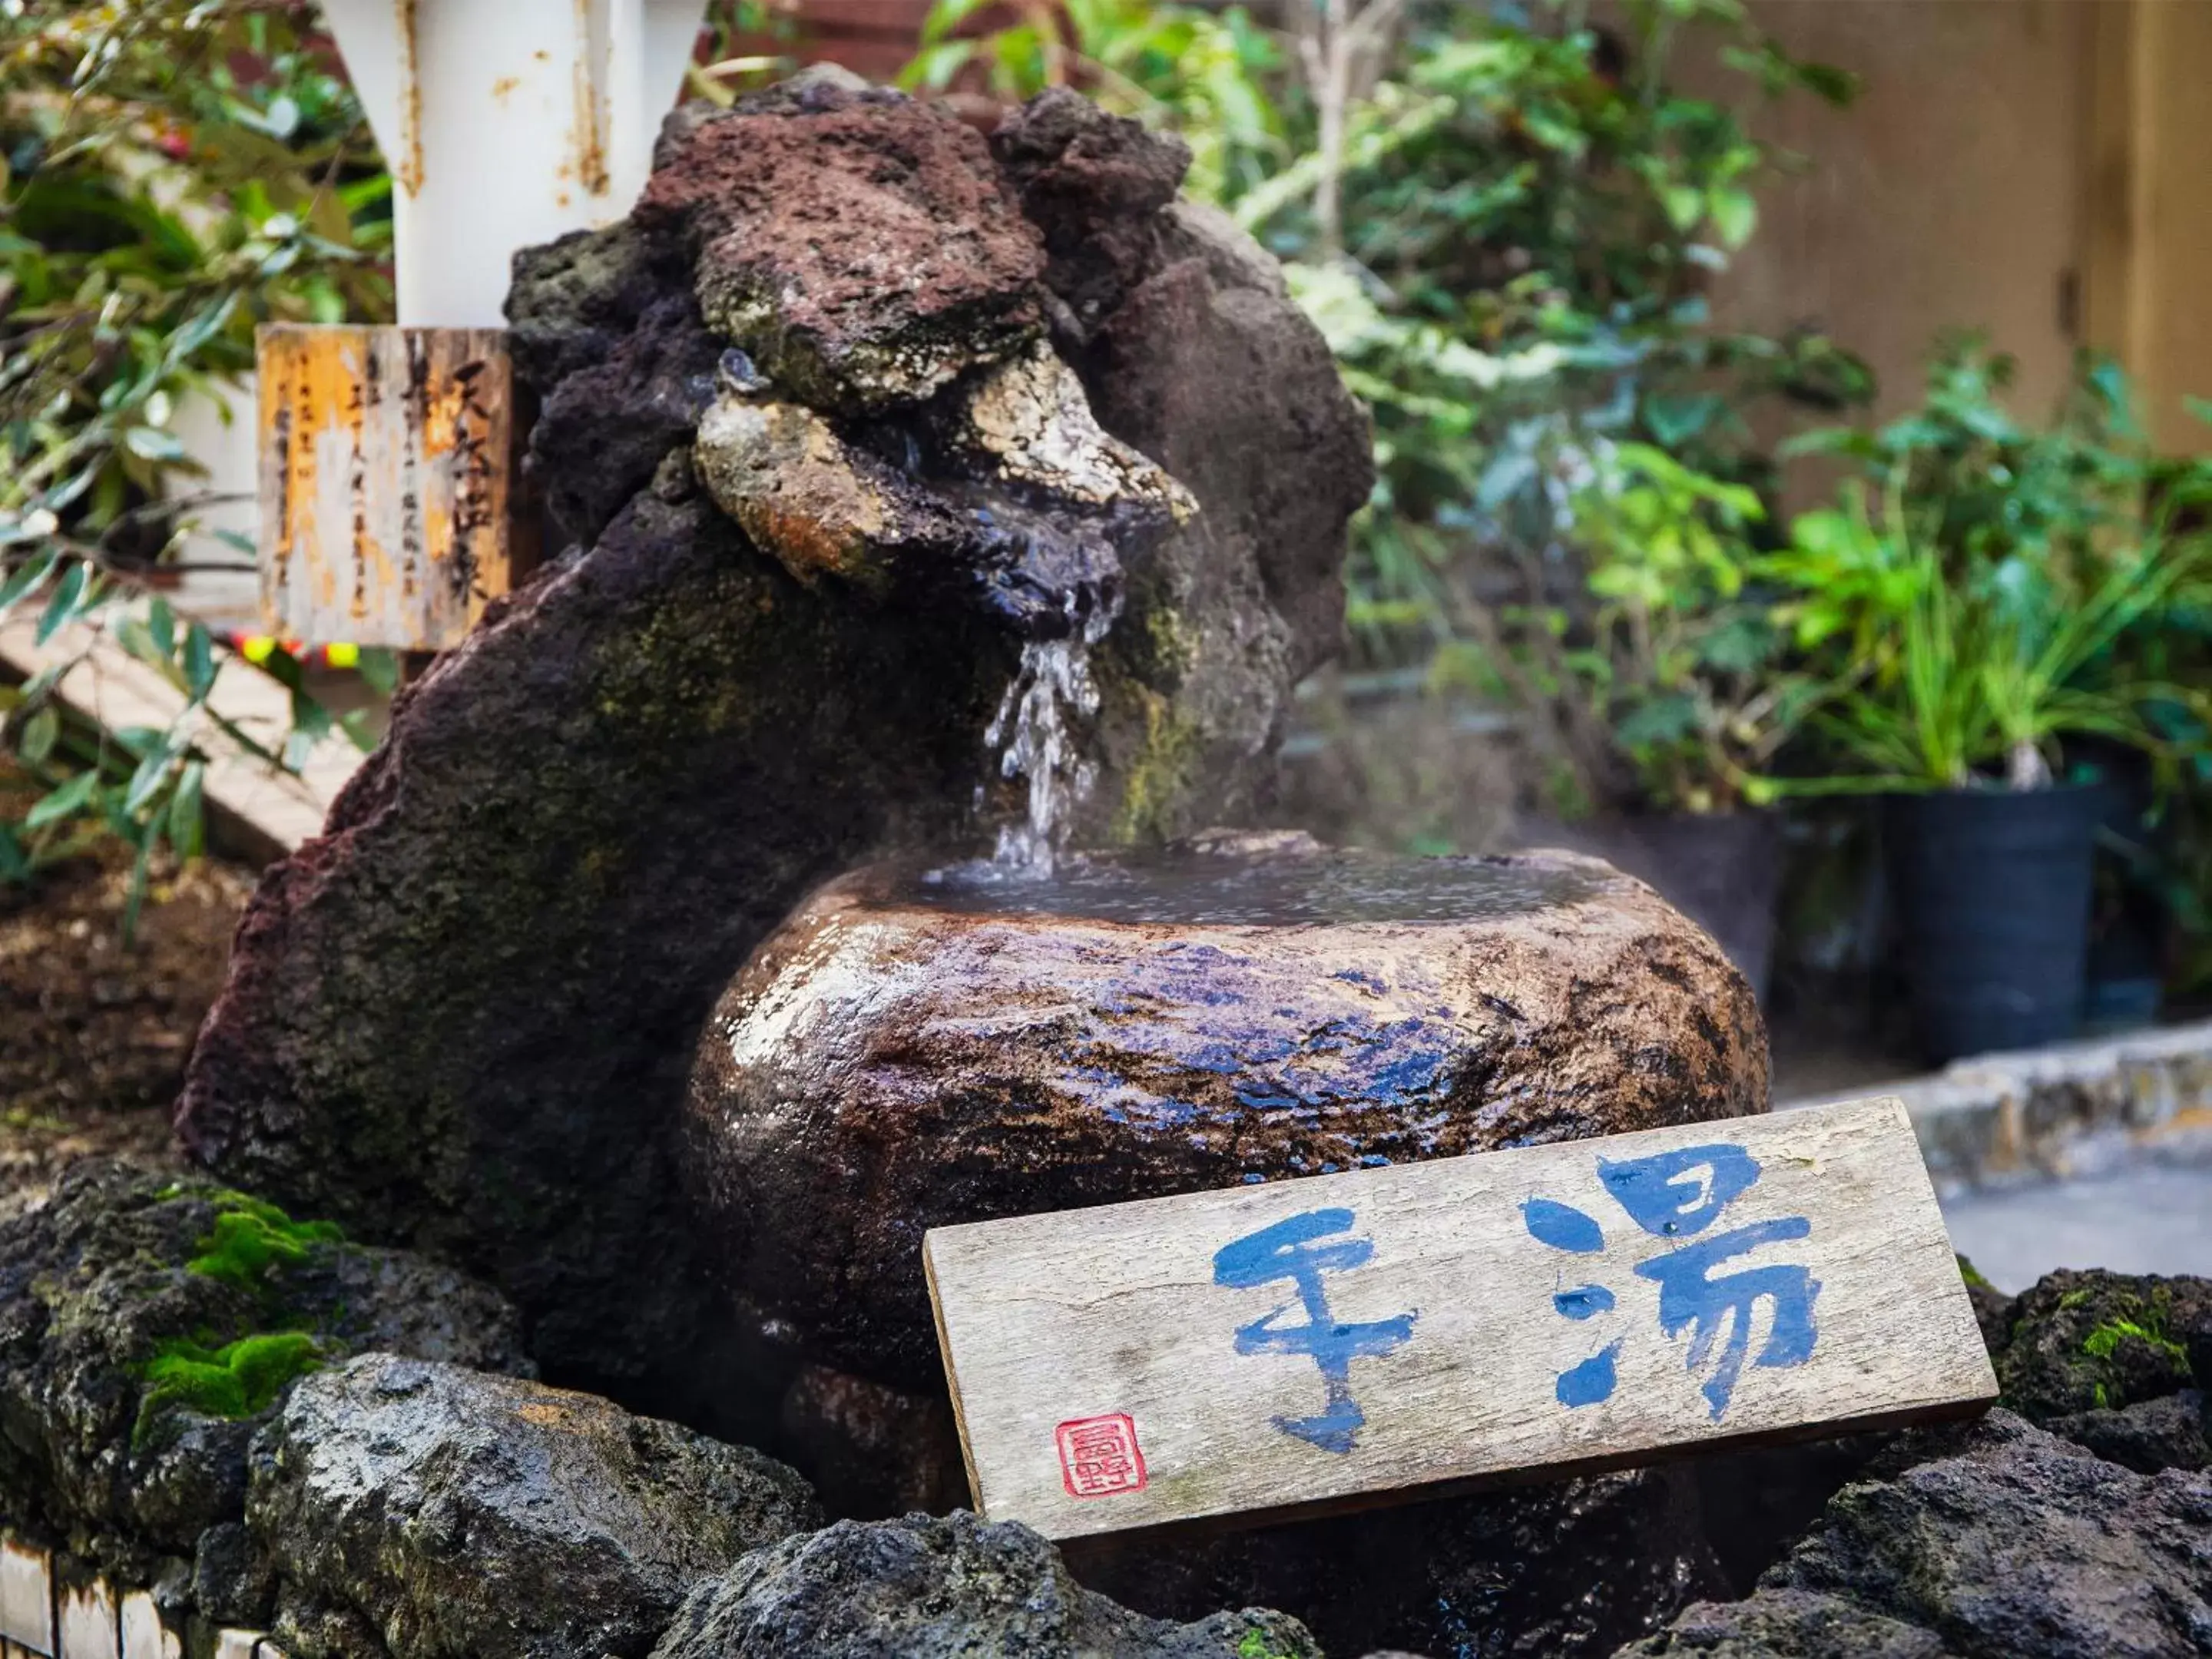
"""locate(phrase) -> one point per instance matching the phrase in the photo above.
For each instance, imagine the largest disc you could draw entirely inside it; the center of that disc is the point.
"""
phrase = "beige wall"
(2148, 258)
(1951, 193)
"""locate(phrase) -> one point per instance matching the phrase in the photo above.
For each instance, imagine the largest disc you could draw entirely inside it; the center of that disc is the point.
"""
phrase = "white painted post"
(89, 1626)
(26, 1597)
(143, 1636)
(507, 123)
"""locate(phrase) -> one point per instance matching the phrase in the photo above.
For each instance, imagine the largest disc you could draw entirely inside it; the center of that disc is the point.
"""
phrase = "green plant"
(171, 173)
(1509, 248)
(1666, 689)
(1978, 602)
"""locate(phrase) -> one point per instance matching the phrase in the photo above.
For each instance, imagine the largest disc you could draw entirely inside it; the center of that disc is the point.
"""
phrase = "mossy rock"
(2082, 1341)
(147, 1327)
(1992, 1308)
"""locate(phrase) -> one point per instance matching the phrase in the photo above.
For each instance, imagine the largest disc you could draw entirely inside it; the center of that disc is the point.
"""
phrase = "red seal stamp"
(1098, 1456)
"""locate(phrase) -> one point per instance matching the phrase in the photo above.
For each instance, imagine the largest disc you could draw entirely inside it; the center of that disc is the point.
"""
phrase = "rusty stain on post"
(592, 46)
(389, 502)
(409, 169)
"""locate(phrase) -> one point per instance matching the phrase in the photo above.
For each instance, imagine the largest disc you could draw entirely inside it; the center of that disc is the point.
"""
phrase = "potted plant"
(1656, 694)
(1967, 609)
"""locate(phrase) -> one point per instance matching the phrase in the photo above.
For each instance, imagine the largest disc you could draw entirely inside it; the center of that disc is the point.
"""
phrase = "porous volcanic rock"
(1566, 1569)
(925, 1587)
(904, 1054)
(446, 1514)
(123, 1267)
(460, 1019)
(1094, 185)
(2006, 1541)
(2082, 1341)
(861, 248)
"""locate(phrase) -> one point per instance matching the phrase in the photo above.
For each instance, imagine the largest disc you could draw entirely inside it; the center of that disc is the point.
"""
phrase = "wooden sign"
(388, 483)
(1318, 1343)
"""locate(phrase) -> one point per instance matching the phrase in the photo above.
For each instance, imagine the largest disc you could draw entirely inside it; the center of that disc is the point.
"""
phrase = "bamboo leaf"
(71, 798)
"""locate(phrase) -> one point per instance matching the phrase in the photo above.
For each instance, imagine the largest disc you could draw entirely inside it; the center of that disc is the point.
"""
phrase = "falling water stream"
(1031, 736)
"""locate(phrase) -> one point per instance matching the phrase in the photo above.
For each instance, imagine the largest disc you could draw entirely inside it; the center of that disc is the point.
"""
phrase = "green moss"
(236, 1380)
(251, 1236)
(2072, 1299)
(1257, 1645)
(1968, 1272)
(2104, 1341)
(1166, 650)
(1159, 781)
(2132, 1322)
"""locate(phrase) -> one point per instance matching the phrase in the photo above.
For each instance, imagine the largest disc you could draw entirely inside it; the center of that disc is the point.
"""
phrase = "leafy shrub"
(175, 173)
(1987, 596)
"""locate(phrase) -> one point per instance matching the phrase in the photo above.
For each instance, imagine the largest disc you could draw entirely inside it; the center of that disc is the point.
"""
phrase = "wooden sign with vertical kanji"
(389, 462)
(1312, 1344)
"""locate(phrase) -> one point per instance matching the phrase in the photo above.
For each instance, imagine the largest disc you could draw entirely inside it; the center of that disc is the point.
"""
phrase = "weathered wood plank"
(260, 813)
(1313, 1344)
(390, 513)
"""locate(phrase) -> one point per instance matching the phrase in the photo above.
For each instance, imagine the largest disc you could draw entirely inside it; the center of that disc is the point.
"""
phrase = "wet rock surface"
(149, 1327)
(925, 1587)
(454, 1513)
(903, 1054)
(459, 1019)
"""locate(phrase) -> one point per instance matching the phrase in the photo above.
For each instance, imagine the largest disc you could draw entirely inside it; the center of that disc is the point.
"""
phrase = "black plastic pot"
(1992, 893)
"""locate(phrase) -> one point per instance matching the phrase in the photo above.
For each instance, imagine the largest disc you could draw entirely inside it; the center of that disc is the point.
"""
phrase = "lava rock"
(928, 1588)
(1992, 1308)
(863, 254)
(1568, 1569)
(2080, 1341)
(2015, 1542)
(463, 1515)
(461, 1017)
(1786, 1624)
(904, 1054)
(1095, 184)
(821, 507)
(1170, 372)
(148, 1325)
(2172, 1432)
(607, 427)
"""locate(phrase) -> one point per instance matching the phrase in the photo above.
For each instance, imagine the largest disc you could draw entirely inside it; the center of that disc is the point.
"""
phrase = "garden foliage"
(172, 173)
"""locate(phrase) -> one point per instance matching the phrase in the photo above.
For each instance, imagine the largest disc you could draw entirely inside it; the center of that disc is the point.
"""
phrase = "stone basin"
(912, 1049)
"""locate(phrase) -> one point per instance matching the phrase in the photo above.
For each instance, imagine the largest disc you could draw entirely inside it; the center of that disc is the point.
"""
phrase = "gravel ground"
(93, 1032)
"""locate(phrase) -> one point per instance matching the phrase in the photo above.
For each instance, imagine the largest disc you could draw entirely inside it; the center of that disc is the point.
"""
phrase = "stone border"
(2074, 1109)
(43, 1618)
